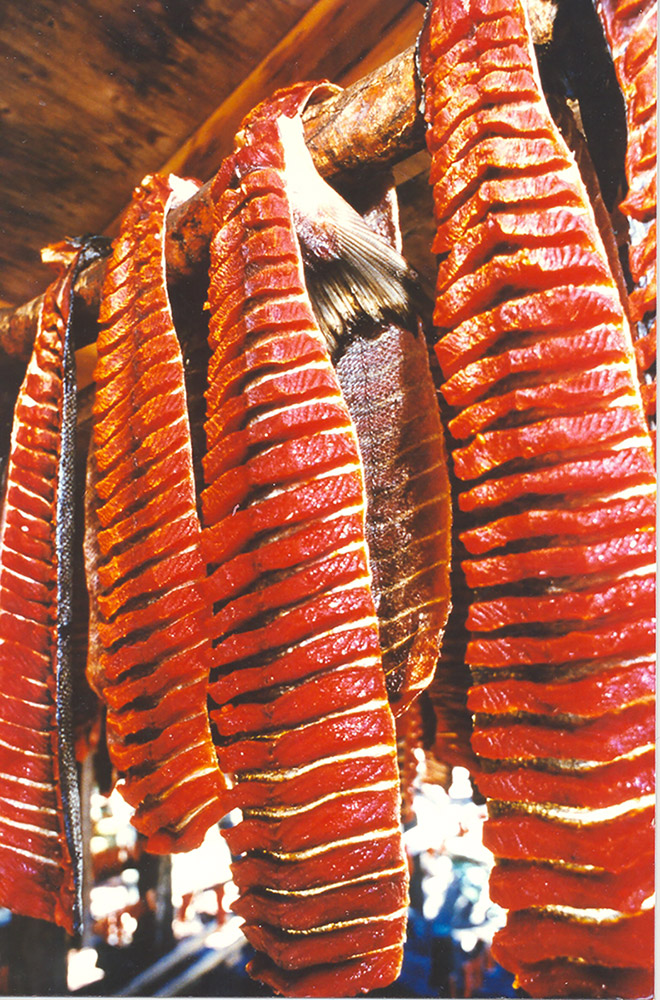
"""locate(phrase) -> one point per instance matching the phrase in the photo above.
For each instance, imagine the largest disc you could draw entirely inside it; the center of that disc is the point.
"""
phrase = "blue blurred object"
(451, 918)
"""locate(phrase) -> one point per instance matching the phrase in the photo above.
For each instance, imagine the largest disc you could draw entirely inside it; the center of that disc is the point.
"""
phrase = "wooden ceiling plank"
(404, 33)
(374, 121)
(95, 95)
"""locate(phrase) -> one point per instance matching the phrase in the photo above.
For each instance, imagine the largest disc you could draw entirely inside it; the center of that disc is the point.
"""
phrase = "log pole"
(374, 122)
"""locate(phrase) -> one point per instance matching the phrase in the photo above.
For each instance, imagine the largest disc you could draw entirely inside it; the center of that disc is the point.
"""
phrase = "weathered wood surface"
(95, 95)
(375, 121)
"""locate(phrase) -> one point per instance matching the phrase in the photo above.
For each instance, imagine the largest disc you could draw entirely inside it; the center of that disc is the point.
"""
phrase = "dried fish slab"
(150, 614)
(557, 481)
(297, 679)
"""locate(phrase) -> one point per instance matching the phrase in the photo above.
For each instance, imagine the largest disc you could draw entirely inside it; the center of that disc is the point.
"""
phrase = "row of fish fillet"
(253, 640)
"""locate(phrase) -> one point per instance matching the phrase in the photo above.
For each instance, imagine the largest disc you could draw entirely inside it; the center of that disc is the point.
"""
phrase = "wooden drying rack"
(374, 121)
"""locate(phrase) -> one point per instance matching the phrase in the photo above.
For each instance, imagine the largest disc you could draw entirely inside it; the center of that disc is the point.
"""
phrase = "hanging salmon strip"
(298, 689)
(557, 489)
(150, 616)
(40, 835)
(632, 35)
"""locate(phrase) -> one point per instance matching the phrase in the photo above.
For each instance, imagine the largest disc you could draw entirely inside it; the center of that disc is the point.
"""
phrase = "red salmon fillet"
(556, 483)
(601, 739)
(613, 944)
(518, 885)
(589, 696)
(297, 679)
(360, 974)
(300, 910)
(150, 654)
(613, 845)
(40, 850)
(576, 979)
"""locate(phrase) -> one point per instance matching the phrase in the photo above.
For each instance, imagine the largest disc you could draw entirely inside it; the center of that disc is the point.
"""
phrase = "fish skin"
(387, 385)
(386, 381)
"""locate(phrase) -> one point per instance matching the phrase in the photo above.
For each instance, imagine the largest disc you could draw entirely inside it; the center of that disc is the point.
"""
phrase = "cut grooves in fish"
(556, 486)
(150, 613)
(40, 837)
(295, 627)
(631, 31)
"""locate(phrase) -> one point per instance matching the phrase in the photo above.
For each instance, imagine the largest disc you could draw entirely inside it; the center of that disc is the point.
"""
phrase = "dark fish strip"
(387, 385)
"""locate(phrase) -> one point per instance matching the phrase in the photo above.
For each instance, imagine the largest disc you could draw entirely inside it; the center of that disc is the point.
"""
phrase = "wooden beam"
(374, 122)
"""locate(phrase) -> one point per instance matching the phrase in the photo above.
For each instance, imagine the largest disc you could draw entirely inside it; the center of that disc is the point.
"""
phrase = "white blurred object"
(82, 968)
(461, 787)
(206, 866)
